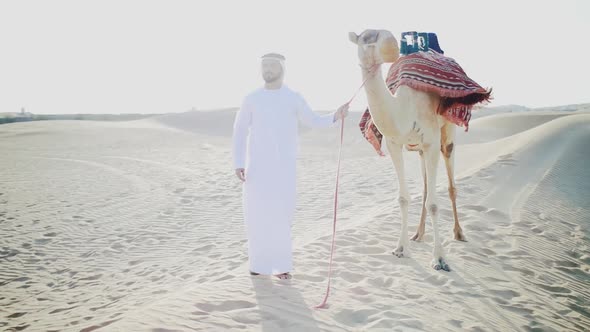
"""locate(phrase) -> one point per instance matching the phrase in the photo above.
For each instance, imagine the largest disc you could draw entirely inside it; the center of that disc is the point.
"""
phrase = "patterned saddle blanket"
(431, 72)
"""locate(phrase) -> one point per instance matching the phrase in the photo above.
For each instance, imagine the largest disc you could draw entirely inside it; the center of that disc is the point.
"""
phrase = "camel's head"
(375, 47)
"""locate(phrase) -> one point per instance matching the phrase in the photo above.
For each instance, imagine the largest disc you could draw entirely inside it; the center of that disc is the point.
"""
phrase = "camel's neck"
(375, 85)
(381, 102)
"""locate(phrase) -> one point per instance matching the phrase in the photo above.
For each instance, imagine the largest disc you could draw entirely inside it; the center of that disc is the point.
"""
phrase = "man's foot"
(284, 276)
(254, 273)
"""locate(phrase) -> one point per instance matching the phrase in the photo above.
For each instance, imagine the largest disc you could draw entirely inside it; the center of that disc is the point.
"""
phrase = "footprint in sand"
(455, 323)
(381, 282)
(507, 162)
(436, 280)
(488, 251)
(369, 250)
(475, 260)
(226, 277)
(42, 241)
(504, 294)
(569, 264)
(8, 252)
(477, 228)
(55, 311)
(495, 280)
(525, 273)
(411, 323)
(92, 278)
(167, 213)
(354, 317)
(310, 278)
(517, 309)
(553, 289)
(225, 306)
(518, 253)
(508, 156)
(119, 246)
(477, 208)
(414, 296)
(17, 314)
(377, 263)
(135, 262)
(497, 214)
(204, 248)
(371, 242)
(359, 291)
(344, 243)
(468, 189)
(351, 277)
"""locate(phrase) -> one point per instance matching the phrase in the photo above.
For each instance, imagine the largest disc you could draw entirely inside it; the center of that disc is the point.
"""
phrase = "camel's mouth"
(367, 46)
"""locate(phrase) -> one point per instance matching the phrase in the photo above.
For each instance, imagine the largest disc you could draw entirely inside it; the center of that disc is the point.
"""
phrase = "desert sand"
(137, 226)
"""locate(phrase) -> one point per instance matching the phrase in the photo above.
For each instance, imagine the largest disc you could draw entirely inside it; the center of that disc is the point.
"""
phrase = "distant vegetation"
(4, 118)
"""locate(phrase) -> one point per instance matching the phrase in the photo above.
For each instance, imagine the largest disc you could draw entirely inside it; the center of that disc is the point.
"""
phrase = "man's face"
(271, 70)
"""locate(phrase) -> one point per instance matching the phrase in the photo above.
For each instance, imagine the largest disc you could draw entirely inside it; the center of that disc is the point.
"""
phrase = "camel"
(409, 118)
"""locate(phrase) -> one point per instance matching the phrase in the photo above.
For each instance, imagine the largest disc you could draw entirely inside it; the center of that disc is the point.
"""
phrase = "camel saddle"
(431, 71)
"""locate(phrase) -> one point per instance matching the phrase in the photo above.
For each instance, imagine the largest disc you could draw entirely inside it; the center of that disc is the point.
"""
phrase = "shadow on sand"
(281, 306)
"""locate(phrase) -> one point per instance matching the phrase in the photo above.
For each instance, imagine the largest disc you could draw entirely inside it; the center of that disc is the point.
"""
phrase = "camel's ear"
(353, 37)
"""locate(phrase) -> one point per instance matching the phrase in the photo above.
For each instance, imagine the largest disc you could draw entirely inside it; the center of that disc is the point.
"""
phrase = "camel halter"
(325, 301)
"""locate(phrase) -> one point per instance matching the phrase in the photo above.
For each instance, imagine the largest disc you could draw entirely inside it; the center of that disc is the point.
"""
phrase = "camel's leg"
(395, 151)
(448, 151)
(431, 156)
(422, 226)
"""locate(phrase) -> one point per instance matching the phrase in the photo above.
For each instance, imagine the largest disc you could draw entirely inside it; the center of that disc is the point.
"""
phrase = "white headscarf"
(277, 57)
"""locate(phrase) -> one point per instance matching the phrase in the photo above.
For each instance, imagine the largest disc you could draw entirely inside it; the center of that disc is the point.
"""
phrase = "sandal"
(254, 273)
(284, 276)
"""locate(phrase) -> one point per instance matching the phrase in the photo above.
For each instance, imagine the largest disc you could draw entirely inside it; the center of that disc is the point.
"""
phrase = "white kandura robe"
(265, 143)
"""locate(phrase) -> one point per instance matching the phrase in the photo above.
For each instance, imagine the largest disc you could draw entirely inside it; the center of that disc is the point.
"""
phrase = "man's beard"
(270, 78)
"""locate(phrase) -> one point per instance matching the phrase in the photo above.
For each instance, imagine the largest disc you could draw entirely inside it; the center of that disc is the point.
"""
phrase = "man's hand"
(240, 173)
(342, 112)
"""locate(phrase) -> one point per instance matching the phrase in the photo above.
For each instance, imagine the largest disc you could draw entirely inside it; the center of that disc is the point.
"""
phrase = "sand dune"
(214, 123)
(136, 226)
(492, 128)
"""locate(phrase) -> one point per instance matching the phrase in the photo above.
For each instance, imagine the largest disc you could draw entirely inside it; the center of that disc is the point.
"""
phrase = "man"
(264, 154)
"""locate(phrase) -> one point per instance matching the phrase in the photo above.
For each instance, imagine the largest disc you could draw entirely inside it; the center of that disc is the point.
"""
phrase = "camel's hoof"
(460, 237)
(399, 252)
(417, 237)
(440, 264)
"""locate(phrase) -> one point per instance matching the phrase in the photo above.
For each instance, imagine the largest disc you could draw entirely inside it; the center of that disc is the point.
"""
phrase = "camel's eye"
(370, 37)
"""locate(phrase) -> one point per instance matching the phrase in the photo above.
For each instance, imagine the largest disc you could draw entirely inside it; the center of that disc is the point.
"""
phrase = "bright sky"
(170, 56)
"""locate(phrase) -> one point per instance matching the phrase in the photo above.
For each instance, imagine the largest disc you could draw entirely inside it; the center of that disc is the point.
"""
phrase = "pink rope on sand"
(325, 301)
